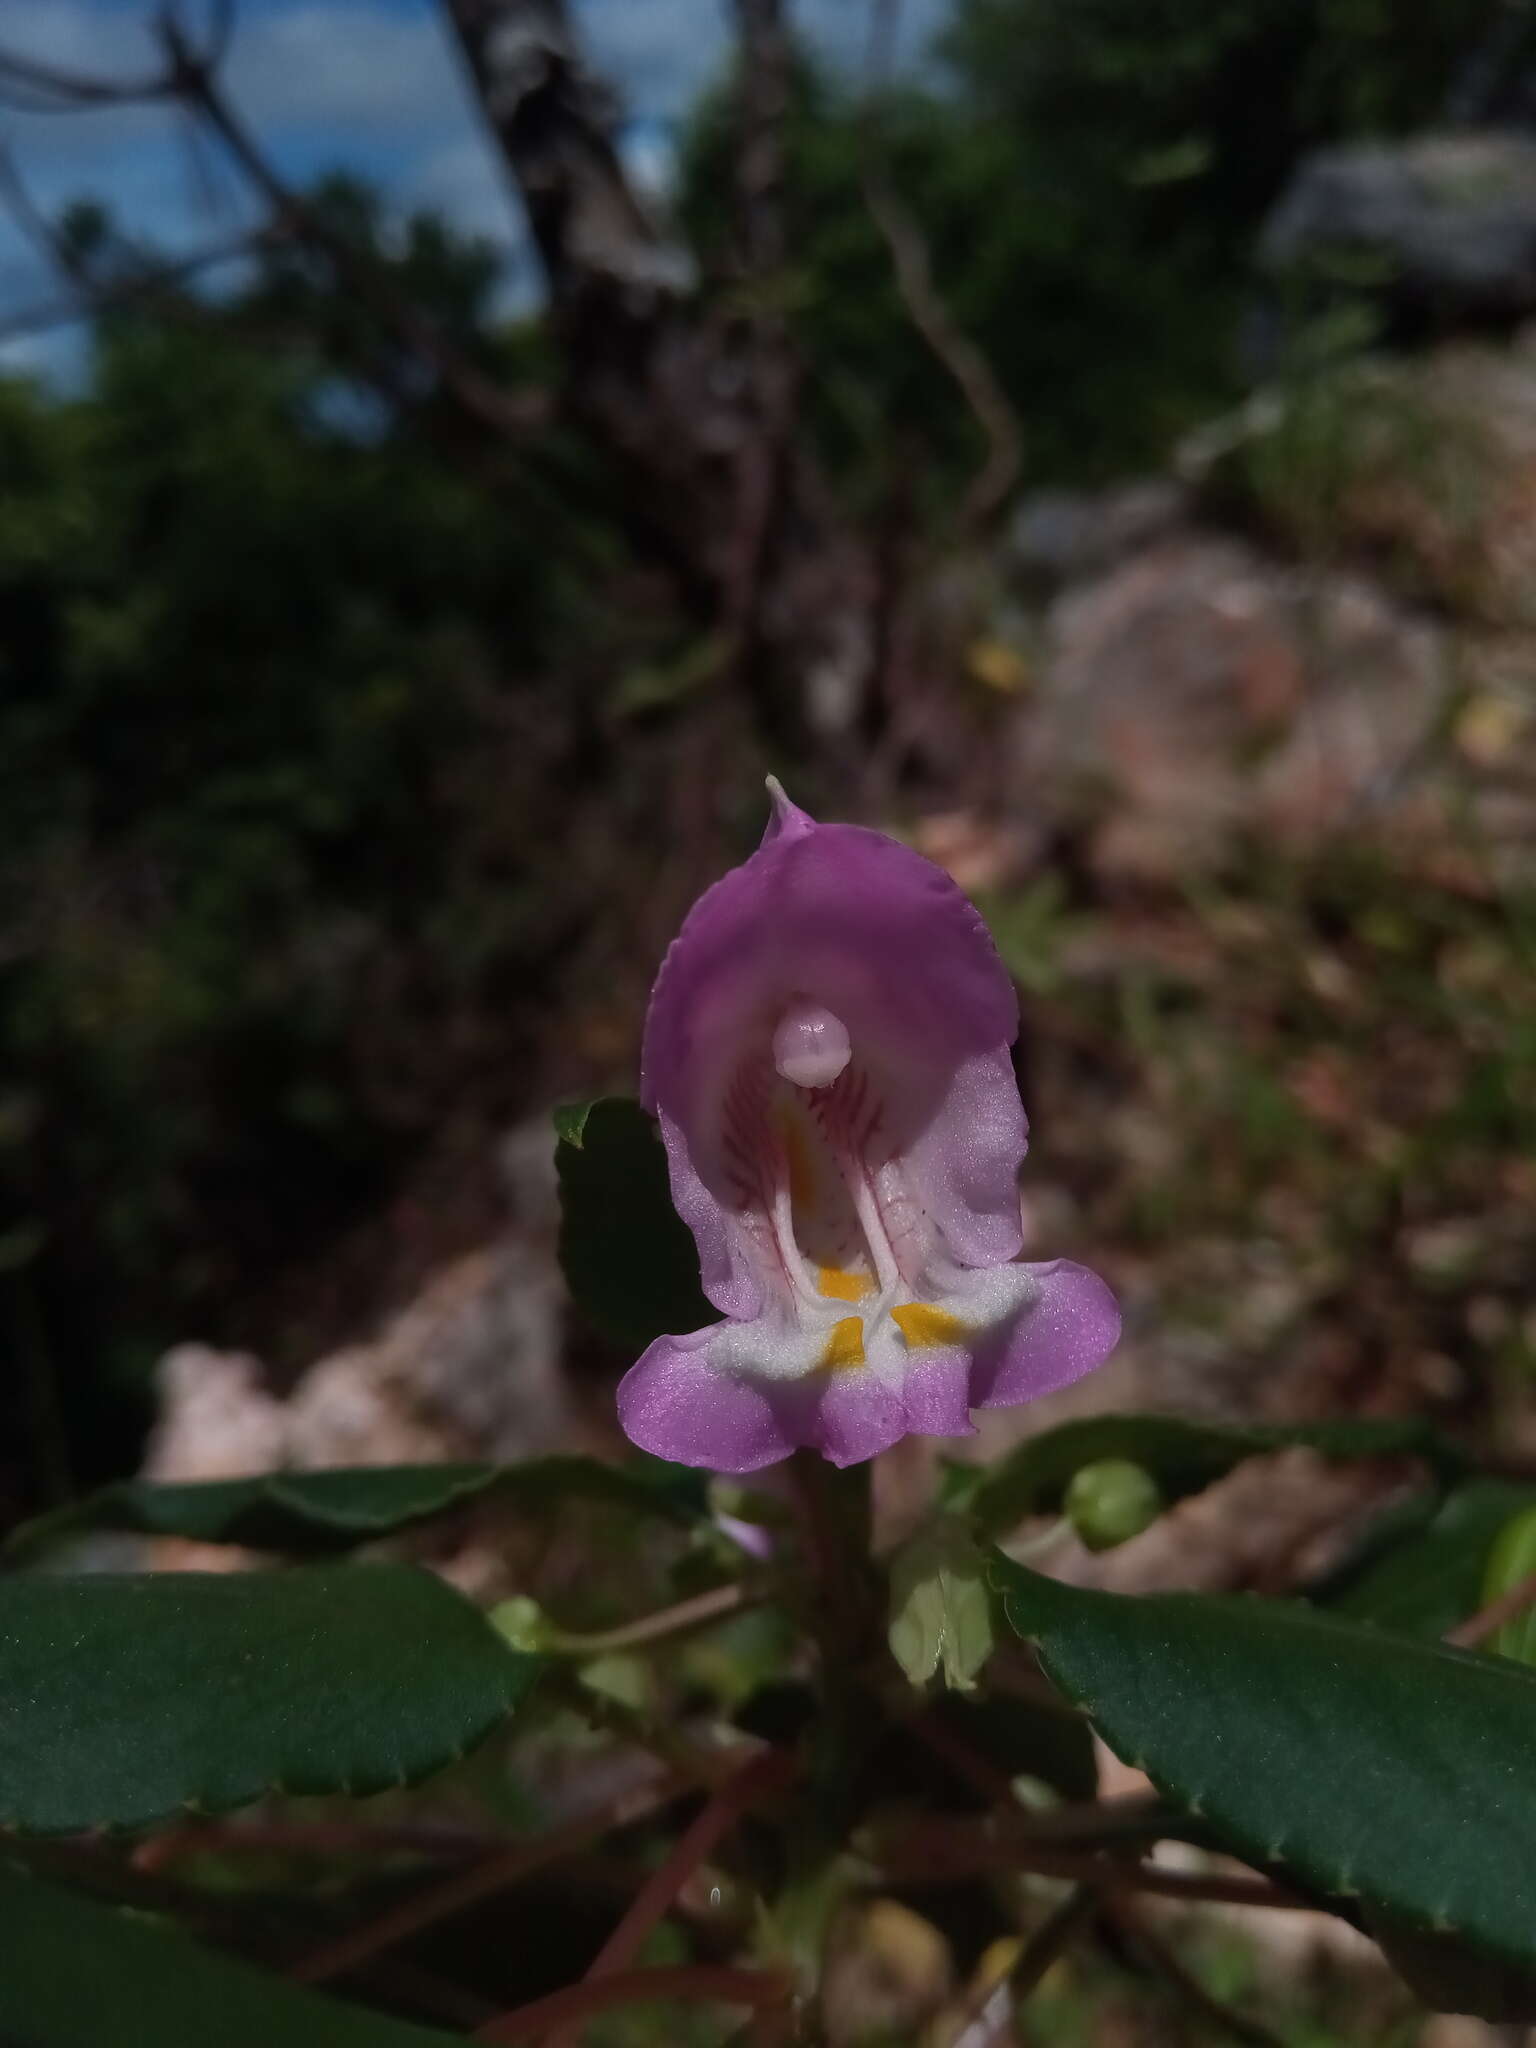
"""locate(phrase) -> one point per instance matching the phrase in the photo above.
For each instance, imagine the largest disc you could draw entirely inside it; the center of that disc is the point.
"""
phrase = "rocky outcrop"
(1442, 228)
(1199, 690)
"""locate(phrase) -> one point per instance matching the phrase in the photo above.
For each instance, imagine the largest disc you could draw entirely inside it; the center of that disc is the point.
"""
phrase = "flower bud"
(1110, 1501)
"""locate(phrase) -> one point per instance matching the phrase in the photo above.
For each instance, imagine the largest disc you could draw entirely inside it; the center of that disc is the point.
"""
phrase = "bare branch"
(107, 295)
(912, 264)
(56, 89)
(478, 395)
(39, 230)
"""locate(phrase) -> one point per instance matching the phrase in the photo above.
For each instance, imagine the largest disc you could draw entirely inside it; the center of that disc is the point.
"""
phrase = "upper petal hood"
(859, 923)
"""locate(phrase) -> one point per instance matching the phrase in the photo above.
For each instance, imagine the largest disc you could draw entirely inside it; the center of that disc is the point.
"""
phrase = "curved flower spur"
(827, 1049)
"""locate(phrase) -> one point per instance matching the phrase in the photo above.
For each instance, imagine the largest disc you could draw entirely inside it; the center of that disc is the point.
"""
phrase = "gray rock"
(1440, 226)
(1057, 536)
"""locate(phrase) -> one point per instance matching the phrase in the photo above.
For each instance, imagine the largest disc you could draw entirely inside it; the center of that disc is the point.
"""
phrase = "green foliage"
(627, 1256)
(146, 1986)
(1181, 1456)
(1432, 1576)
(319, 1513)
(125, 1699)
(1357, 1763)
(275, 763)
(1070, 140)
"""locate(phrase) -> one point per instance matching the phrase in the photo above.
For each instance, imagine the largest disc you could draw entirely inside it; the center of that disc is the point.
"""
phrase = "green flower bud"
(1110, 1501)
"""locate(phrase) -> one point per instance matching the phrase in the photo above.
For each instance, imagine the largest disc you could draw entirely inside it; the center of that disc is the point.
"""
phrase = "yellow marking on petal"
(838, 1284)
(802, 1175)
(925, 1326)
(845, 1346)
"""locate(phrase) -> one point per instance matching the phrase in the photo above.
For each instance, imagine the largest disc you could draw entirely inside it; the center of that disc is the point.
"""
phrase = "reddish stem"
(712, 1983)
(766, 1773)
(495, 1873)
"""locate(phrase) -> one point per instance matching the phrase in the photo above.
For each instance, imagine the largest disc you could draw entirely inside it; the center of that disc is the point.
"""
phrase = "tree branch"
(912, 265)
(478, 395)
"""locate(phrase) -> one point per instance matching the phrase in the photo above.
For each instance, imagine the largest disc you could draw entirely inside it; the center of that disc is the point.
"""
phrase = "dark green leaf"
(321, 1513)
(80, 1975)
(1368, 1765)
(123, 1699)
(628, 1258)
(1181, 1456)
(1433, 1578)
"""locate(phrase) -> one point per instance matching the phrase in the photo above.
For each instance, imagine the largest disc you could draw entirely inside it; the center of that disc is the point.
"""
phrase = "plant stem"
(767, 1772)
(495, 1873)
(842, 1613)
(714, 1983)
(694, 1613)
(1163, 1959)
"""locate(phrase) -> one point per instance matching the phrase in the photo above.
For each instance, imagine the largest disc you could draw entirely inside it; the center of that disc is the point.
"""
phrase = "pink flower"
(827, 1051)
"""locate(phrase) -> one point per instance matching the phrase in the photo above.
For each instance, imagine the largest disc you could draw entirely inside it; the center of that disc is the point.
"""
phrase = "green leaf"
(123, 1699)
(628, 1258)
(941, 1606)
(1181, 1456)
(81, 1975)
(313, 1514)
(1364, 1764)
(1433, 1578)
(1511, 1561)
(570, 1121)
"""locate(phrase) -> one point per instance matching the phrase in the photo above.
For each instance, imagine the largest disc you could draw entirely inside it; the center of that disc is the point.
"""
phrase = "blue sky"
(372, 85)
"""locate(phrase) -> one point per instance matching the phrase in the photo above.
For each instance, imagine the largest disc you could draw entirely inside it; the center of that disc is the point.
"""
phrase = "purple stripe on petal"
(677, 1405)
(1070, 1327)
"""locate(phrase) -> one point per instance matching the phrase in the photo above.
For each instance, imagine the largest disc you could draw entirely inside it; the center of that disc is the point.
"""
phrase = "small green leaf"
(570, 1121)
(316, 1514)
(1363, 1764)
(941, 1607)
(1512, 1560)
(1432, 1578)
(1181, 1456)
(628, 1258)
(127, 1698)
(80, 1975)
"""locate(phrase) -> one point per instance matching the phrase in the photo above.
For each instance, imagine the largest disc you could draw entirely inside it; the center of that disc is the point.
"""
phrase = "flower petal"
(937, 1394)
(963, 1167)
(1068, 1325)
(677, 1405)
(872, 932)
